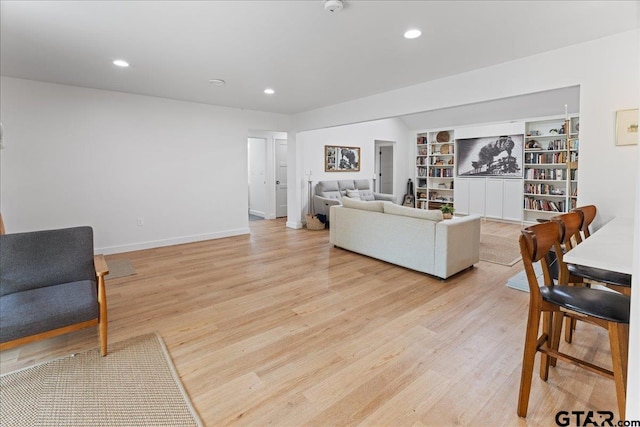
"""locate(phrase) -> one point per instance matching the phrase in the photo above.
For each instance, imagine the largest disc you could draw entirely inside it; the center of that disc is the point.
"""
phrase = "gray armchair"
(50, 284)
(329, 193)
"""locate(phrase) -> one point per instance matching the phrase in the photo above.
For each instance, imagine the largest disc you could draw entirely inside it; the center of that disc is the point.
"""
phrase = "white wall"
(83, 156)
(361, 135)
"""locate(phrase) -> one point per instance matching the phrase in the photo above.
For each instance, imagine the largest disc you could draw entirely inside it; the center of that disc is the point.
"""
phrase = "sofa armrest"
(100, 264)
(385, 197)
(321, 204)
(457, 244)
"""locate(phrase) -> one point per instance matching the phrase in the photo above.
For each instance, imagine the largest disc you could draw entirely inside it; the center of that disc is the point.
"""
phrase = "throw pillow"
(353, 194)
(366, 195)
(393, 209)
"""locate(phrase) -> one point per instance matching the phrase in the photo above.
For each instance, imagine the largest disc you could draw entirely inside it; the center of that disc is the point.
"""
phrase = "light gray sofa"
(413, 238)
(330, 193)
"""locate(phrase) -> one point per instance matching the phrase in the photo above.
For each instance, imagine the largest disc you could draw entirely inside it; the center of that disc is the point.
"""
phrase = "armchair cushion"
(39, 310)
(45, 258)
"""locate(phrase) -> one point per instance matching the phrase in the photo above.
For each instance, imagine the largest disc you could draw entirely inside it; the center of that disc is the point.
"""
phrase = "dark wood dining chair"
(552, 302)
(589, 213)
(571, 225)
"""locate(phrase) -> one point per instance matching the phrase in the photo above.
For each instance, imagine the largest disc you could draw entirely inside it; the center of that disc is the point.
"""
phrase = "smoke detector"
(333, 6)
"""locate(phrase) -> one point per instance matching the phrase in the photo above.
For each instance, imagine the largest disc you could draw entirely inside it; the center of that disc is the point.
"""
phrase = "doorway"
(267, 175)
(257, 148)
(384, 166)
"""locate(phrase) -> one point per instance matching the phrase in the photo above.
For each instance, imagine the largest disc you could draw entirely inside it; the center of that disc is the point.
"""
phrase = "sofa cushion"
(353, 194)
(39, 310)
(346, 184)
(375, 206)
(328, 189)
(44, 258)
(393, 209)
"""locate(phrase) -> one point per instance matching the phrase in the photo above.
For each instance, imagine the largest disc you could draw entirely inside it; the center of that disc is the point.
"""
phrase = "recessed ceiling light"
(217, 82)
(412, 34)
(121, 63)
(269, 91)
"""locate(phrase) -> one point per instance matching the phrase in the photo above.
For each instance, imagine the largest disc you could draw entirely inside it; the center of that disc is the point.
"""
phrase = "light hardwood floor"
(281, 328)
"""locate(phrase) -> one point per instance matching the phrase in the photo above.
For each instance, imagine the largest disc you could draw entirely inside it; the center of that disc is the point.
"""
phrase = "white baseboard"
(296, 225)
(169, 242)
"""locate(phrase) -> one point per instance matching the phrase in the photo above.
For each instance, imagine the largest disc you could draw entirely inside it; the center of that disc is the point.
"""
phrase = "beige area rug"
(134, 385)
(499, 250)
(119, 268)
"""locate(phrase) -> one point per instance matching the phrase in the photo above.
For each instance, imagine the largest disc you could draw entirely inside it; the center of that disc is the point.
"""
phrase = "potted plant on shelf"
(447, 211)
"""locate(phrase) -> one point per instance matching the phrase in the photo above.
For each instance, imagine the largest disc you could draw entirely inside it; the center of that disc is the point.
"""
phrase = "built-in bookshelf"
(550, 167)
(435, 169)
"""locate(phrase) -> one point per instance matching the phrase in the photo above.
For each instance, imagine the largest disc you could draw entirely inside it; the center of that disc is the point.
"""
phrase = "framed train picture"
(497, 156)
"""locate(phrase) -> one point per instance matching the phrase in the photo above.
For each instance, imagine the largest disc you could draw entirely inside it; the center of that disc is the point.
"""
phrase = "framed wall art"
(498, 156)
(341, 159)
(627, 127)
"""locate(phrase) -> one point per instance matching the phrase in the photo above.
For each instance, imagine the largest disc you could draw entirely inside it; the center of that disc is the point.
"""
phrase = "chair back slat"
(570, 226)
(535, 242)
(588, 214)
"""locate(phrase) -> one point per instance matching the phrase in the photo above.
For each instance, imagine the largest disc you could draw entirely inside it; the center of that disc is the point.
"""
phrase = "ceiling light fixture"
(121, 63)
(412, 34)
(269, 91)
(217, 82)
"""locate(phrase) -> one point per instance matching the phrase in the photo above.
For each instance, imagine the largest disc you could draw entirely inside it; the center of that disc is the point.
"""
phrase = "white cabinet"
(477, 196)
(493, 198)
(461, 195)
(489, 197)
(512, 199)
(503, 199)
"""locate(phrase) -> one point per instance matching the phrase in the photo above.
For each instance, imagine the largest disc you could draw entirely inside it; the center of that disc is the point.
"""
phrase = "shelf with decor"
(435, 169)
(550, 167)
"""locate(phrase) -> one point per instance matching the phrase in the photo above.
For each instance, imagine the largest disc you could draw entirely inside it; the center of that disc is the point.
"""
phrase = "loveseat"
(330, 193)
(413, 238)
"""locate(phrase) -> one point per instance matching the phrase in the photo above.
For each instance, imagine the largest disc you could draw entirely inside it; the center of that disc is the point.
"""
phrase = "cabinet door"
(476, 196)
(461, 196)
(493, 198)
(512, 199)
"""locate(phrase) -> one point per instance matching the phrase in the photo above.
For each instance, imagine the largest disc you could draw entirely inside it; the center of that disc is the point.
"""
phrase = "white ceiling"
(310, 57)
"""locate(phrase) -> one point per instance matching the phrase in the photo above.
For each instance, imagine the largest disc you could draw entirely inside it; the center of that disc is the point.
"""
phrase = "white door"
(386, 169)
(281, 178)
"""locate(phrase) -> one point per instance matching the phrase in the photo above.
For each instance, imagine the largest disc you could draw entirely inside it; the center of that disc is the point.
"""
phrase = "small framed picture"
(627, 127)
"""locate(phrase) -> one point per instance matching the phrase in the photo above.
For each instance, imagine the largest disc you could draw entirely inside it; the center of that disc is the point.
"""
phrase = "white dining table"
(608, 248)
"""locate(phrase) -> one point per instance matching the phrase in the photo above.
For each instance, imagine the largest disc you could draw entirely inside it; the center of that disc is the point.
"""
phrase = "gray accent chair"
(51, 284)
(329, 193)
